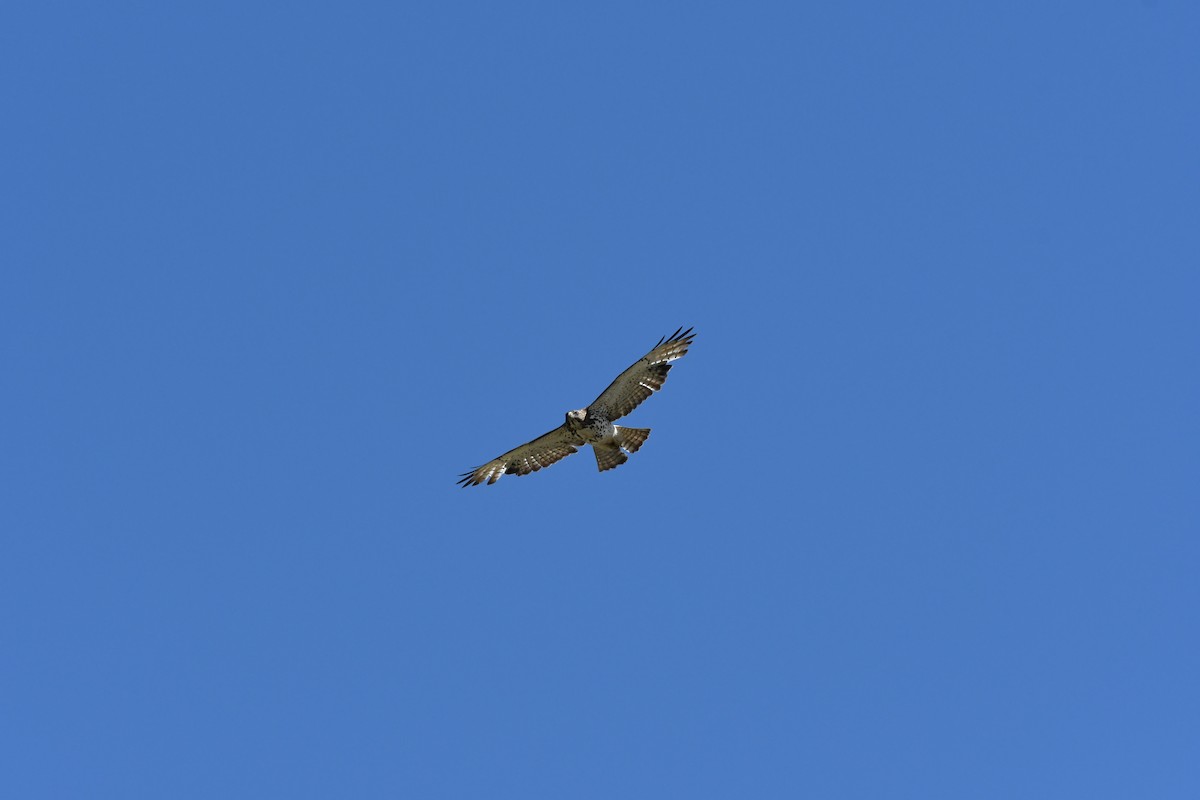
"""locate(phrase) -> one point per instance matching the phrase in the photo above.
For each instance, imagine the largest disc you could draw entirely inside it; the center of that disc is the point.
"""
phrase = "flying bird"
(594, 425)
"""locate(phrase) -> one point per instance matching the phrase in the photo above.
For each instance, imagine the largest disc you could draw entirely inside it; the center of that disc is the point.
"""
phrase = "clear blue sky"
(919, 517)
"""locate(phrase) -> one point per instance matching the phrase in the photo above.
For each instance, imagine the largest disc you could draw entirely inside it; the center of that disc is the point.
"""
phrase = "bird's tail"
(630, 439)
(608, 456)
(611, 456)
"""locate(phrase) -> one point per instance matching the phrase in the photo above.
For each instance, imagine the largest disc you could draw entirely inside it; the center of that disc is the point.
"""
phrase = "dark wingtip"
(678, 336)
(673, 337)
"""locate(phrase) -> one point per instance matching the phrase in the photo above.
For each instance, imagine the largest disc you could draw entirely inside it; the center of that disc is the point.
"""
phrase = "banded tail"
(630, 439)
(611, 456)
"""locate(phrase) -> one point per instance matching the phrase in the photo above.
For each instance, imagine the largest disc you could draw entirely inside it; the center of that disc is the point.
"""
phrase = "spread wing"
(644, 378)
(529, 457)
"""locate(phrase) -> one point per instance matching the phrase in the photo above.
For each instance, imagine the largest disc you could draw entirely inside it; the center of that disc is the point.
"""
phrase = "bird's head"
(575, 419)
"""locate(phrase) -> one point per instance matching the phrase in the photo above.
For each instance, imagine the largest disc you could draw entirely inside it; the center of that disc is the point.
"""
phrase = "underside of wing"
(529, 457)
(645, 377)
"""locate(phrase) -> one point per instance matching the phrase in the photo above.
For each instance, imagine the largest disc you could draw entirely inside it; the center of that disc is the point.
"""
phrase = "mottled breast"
(596, 428)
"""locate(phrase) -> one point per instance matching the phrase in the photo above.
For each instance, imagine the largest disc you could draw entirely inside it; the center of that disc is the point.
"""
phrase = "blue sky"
(919, 515)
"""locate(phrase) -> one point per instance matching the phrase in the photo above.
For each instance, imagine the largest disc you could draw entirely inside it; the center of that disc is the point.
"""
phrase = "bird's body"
(594, 425)
(591, 428)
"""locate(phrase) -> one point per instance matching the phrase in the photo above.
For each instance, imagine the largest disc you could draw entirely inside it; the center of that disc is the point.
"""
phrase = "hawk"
(594, 425)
